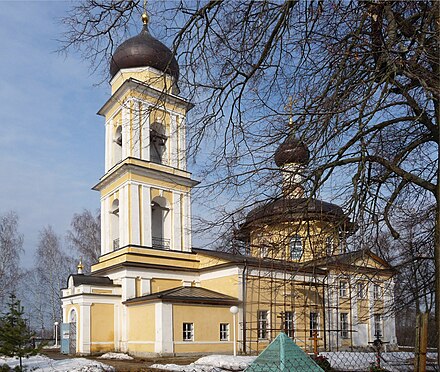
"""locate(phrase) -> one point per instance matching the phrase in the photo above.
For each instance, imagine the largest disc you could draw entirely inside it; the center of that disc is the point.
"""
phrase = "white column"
(164, 328)
(84, 328)
(136, 130)
(174, 155)
(145, 132)
(126, 130)
(134, 212)
(176, 243)
(146, 216)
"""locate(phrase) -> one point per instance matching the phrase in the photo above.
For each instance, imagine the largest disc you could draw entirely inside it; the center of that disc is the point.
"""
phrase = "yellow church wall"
(206, 328)
(147, 75)
(275, 239)
(101, 328)
(228, 285)
(102, 291)
(141, 328)
(363, 310)
(208, 261)
(158, 285)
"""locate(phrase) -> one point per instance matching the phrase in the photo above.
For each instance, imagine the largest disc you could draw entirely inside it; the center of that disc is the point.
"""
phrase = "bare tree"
(52, 267)
(11, 245)
(85, 237)
(363, 78)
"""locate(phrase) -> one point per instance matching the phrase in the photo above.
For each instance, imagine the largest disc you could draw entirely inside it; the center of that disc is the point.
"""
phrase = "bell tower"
(145, 191)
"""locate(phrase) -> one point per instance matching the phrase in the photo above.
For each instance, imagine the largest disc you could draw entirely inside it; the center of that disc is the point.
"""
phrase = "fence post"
(421, 342)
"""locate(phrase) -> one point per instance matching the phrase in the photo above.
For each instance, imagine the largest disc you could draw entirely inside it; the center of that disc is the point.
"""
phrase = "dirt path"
(137, 364)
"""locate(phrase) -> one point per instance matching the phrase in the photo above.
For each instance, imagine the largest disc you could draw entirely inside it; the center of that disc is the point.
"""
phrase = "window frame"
(314, 326)
(343, 288)
(329, 245)
(187, 332)
(361, 290)
(289, 323)
(343, 325)
(378, 328)
(296, 242)
(224, 332)
(262, 324)
(377, 292)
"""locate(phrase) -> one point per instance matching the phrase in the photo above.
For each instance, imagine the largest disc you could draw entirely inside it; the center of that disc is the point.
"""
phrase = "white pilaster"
(186, 218)
(126, 130)
(105, 226)
(145, 286)
(146, 216)
(145, 132)
(84, 328)
(182, 143)
(134, 212)
(176, 243)
(164, 328)
(389, 321)
(123, 215)
(136, 129)
(174, 156)
(108, 144)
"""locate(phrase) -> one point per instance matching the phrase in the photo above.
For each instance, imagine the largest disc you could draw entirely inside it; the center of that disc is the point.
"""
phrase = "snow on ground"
(211, 363)
(119, 356)
(44, 364)
(346, 361)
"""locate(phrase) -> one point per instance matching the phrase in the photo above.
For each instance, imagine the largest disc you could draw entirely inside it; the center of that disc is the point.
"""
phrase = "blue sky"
(52, 141)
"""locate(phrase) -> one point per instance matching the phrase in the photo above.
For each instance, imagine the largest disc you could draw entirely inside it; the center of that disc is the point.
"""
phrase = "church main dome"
(141, 51)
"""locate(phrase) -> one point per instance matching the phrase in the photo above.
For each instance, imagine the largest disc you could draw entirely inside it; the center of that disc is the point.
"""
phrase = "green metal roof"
(283, 355)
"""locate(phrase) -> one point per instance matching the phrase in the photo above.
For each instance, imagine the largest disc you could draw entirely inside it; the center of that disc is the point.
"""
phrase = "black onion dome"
(284, 209)
(292, 150)
(141, 51)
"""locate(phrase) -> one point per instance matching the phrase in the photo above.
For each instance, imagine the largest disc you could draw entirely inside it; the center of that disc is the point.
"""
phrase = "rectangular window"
(188, 331)
(224, 331)
(361, 293)
(343, 317)
(262, 324)
(377, 325)
(377, 292)
(296, 247)
(314, 323)
(288, 323)
(343, 285)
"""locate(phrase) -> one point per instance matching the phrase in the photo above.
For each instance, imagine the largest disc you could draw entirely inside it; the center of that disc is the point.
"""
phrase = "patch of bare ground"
(137, 364)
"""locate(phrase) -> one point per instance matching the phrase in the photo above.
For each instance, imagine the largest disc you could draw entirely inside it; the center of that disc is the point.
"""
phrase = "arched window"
(296, 247)
(114, 224)
(160, 223)
(117, 145)
(158, 140)
(72, 316)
